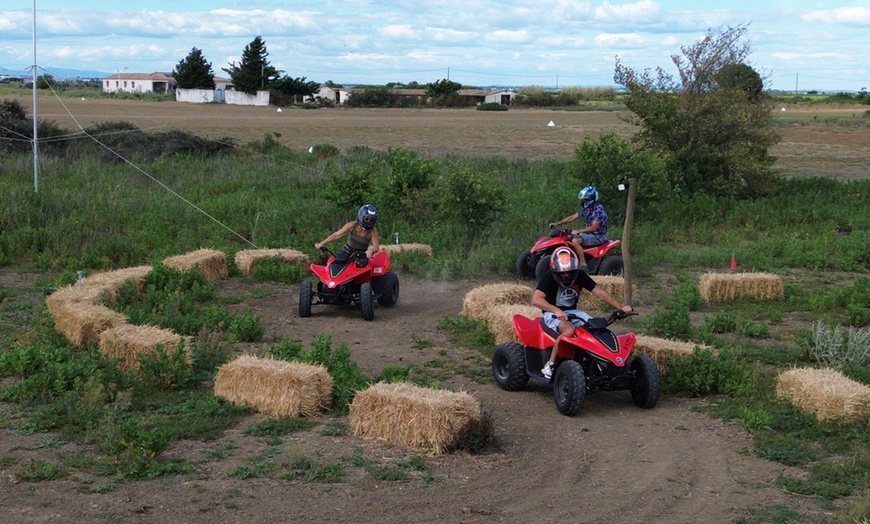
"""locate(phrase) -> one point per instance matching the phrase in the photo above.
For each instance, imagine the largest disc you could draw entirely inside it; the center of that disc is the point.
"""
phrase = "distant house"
(139, 83)
(203, 96)
(339, 95)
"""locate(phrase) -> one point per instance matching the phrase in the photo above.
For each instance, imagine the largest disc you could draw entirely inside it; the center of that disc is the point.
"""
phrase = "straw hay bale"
(664, 350)
(500, 320)
(481, 298)
(248, 258)
(425, 249)
(211, 262)
(82, 323)
(275, 387)
(128, 343)
(112, 283)
(419, 418)
(725, 287)
(827, 393)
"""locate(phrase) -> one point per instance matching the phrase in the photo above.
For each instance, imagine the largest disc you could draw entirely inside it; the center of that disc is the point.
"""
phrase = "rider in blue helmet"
(362, 234)
(595, 217)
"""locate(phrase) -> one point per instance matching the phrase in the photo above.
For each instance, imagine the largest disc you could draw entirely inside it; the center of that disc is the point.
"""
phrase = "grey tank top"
(357, 242)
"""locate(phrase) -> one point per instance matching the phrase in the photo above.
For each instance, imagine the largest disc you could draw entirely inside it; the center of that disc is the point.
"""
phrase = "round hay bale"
(248, 258)
(419, 418)
(275, 387)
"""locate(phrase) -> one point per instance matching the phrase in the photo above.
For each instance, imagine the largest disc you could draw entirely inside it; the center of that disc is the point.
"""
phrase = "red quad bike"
(536, 262)
(358, 282)
(594, 359)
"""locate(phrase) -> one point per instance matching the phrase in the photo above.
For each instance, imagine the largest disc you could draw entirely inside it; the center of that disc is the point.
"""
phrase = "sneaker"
(548, 371)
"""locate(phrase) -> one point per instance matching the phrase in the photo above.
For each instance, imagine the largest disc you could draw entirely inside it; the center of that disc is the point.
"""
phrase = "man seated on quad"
(360, 234)
(557, 294)
(595, 232)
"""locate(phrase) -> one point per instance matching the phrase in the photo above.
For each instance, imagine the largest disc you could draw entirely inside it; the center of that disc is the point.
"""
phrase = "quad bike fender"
(530, 334)
(380, 263)
(605, 345)
(546, 243)
(601, 250)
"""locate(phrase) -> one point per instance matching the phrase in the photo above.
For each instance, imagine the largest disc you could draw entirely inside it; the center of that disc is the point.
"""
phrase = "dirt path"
(613, 462)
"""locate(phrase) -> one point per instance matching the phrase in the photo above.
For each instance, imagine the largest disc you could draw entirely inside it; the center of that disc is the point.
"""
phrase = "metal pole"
(35, 138)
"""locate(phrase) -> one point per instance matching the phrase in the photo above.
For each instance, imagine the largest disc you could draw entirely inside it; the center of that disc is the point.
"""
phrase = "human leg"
(566, 329)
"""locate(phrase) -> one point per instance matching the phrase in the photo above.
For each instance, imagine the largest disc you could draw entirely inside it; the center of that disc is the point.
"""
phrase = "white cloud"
(398, 31)
(855, 16)
(514, 37)
(643, 11)
(620, 40)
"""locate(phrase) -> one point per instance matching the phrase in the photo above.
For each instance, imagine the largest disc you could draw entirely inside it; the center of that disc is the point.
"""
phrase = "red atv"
(358, 282)
(599, 259)
(594, 359)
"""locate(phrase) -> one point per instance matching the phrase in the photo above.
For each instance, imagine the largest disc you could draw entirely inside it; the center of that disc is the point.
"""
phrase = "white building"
(139, 83)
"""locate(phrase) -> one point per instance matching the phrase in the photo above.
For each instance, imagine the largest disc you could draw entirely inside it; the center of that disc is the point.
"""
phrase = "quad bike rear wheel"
(569, 387)
(367, 301)
(647, 382)
(611, 265)
(509, 366)
(389, 290)
(543, 266)
(525, 268)
(305, 299)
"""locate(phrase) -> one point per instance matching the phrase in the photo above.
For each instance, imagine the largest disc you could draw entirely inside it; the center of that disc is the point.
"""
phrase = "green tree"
(713, 126)
(194, 72)
(442, 88)
(254, 73)
(291, 90)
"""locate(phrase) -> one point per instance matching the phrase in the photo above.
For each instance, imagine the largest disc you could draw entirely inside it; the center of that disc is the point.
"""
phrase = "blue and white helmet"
(588, 196)
(367, 217)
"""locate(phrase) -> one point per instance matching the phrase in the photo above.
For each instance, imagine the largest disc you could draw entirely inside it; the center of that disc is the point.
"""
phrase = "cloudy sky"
(798, 44)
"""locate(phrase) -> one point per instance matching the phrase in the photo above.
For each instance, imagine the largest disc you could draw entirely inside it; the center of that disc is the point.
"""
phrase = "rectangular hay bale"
(826, 393)
(211, 262)
(425, 249)
(128, 342)
(247, 259)
(717, 288)
(275, 387)
(499, 320)
(479, 299)
(81, 323)
(408, 415)
(664, 350)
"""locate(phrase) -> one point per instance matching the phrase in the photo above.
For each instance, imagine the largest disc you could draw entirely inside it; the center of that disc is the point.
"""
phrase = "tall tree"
(713, 125)
(442, 88)
(194, 72)
(293, 90)
(254, 73)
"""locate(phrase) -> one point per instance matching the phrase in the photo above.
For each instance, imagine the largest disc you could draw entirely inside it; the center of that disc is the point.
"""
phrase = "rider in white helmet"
(557, 294)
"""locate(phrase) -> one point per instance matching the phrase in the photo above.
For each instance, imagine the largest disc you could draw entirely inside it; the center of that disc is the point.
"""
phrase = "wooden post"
(626, 239)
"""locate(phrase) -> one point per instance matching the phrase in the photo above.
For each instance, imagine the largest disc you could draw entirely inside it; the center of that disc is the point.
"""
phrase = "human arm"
(591, 228)
(570, 218)
(376, 242)
(335, 236)
(599, 292)
(539, 300)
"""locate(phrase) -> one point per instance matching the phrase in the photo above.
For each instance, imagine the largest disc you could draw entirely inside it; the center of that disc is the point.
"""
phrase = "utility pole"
(796, 83)
(35, 126)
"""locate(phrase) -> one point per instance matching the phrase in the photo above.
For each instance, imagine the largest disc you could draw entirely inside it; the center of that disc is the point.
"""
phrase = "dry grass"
(419, 418)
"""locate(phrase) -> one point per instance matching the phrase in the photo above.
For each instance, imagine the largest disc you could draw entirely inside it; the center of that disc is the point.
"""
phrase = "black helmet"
(588, 195)
(564, 266)
(367, 217)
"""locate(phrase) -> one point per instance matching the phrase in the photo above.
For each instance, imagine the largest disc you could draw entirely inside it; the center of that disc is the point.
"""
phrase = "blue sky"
(798, 44)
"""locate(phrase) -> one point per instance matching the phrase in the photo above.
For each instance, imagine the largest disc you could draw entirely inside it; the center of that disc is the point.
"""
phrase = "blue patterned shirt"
(591, 214)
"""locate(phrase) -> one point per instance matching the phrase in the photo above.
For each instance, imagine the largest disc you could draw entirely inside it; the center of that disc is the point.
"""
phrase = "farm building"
(340, 95)
(139, 83)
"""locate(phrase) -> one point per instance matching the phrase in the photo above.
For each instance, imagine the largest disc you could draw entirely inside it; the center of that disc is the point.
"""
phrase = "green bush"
(246, 327)
(706, 372)
(492, 106)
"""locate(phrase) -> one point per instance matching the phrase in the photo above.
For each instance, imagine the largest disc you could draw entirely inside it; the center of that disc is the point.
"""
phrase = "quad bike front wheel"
(389, 290)
(647, 382)
(569, 387)
(509, 366)
(305, 299)
(367, 301)
(525, 268)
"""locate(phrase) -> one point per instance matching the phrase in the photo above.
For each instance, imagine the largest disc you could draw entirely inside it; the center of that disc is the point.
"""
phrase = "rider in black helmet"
(362, 234)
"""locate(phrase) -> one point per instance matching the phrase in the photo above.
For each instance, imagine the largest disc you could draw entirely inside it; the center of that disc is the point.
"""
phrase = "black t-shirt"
(564, 297)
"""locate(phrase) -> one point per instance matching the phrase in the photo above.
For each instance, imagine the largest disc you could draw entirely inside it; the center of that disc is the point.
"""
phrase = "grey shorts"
(591, 239)
(577, 317)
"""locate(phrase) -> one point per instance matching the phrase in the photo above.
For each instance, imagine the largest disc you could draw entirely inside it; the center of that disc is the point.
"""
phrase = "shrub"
(492, 106)
(838, 347)
(246, 327)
